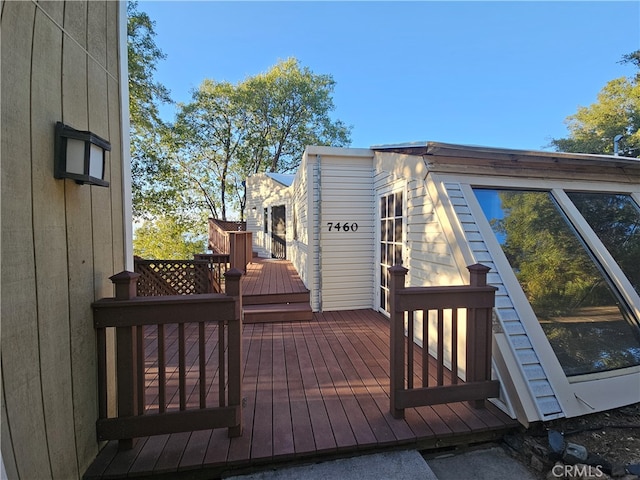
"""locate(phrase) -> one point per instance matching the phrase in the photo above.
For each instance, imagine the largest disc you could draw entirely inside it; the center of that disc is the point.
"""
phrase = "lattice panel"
(172, 277)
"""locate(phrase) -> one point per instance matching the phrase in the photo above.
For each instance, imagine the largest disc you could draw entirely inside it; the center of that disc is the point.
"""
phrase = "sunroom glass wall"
(585, 321)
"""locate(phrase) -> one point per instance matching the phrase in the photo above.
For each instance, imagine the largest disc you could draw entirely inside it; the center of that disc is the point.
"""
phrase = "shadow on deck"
(313, 389)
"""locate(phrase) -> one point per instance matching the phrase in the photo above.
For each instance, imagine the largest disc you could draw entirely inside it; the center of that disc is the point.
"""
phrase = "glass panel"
(96, 162)
(75, 156)
(383, 207)
(383, 254)
(398, 204)
(398, 237)
(588, 326)
(398, 257)
(390, 206)
(615, 218)
(383, 231)
(383, 299)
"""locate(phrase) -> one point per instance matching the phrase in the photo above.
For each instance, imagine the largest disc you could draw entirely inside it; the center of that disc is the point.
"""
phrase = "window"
(615, 219)
(588, 325)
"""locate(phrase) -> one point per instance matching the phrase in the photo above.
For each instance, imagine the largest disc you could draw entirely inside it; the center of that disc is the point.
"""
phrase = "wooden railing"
(477, 299)
(218, 238)
(173, 277)
(238, 244)
(240, 250)
(217, 265)
(156, 394)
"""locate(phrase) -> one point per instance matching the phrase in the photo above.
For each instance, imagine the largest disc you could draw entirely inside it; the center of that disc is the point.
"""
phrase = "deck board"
(270, 276)
(313, 389)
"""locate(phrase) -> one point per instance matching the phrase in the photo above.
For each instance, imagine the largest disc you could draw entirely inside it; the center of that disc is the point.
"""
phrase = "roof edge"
(455, 150)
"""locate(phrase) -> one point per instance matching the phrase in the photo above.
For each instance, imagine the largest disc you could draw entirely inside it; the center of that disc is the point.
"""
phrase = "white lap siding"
(346, 255)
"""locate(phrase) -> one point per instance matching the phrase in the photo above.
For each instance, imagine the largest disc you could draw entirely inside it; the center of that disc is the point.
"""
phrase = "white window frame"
(385, 190)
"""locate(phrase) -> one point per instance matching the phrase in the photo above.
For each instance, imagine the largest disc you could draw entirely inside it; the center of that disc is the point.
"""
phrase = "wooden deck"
(313, 390)
(267, 276)
(272, 291)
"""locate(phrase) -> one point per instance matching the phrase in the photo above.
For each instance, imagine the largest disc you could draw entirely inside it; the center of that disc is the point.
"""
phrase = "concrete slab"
(487, 464)
(402, 465)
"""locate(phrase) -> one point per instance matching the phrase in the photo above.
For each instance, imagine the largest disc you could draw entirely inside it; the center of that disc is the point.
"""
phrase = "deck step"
(277, 312)
(299, 297)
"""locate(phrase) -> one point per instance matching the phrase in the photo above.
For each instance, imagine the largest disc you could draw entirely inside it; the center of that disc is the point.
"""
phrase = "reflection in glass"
(589, 328)
(615, 218)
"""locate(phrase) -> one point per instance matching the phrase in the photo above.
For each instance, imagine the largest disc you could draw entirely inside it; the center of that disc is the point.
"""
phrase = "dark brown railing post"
(478, 334)
(397, 341)
(233, 289)
(128, 344)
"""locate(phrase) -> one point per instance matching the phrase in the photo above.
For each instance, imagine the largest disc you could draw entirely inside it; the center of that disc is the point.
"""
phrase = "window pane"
(398, 212)
(588, 326)
(615, 219)
(383, 207)
(398, 237)
(398, 257)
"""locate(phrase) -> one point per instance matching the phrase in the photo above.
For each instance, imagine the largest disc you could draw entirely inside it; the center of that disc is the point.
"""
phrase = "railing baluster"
(162, 371)
(454, 346)
(425, 348)
(203, 365)
(221, 365)
(182, 370)
(140, 365)
(102, 372)
(440, 373)
(410, 350)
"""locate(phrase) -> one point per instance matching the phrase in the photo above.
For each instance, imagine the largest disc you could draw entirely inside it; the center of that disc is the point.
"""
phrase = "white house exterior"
(436, 208)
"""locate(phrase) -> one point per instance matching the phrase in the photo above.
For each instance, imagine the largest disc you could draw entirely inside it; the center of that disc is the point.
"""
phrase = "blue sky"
(501, 74)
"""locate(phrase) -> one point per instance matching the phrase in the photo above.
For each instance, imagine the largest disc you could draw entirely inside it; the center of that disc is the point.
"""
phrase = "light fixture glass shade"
(80, 156)
(96, 162)
(75, 156)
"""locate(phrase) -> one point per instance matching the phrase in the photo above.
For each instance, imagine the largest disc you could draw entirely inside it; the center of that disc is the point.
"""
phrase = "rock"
(618, 470)
(634, 468)
(556, 442)
(598, 461)
(574, 453)
(537, 464)
(515, 442)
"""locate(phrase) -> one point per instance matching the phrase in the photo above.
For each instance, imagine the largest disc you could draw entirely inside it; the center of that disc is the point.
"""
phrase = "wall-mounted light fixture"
(80, 156)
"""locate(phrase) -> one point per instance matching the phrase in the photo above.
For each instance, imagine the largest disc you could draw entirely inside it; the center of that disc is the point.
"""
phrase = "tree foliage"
(155, 183)
(617, 112)
(262, 124)
(169, 237)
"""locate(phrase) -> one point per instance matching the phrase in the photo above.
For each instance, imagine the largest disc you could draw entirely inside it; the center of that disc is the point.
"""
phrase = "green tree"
(617, 112)
(154, 179)
(208, 134)
(165, 237)
(228, 132)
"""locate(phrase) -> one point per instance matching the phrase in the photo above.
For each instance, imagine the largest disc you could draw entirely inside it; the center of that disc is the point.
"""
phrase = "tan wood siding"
(60, 240)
